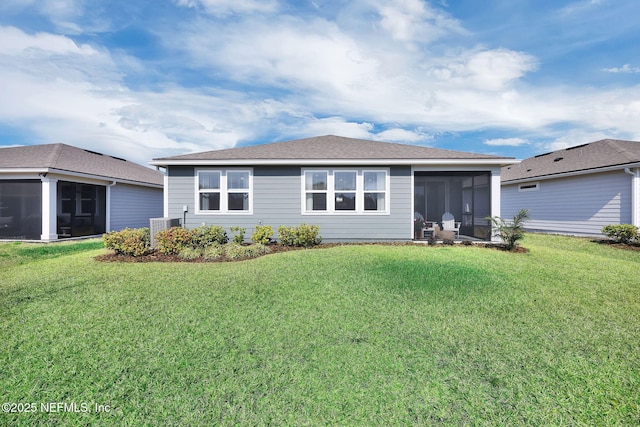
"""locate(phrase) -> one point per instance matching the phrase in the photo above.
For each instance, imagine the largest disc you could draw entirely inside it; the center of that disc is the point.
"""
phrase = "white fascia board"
(104, 179)
(573, 173)
(23, 170)
(18, 173)
(336, 162)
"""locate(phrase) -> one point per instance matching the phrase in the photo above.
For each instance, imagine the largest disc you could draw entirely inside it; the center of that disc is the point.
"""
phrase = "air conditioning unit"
(158, 224)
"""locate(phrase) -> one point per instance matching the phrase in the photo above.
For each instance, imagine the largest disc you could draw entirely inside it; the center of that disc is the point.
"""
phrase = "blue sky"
(151, 78)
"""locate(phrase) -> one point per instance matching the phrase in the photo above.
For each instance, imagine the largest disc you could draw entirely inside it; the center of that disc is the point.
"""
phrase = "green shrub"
(622, 233)
(307, 235)
(207, 235)
(130, 241)
(510, 231)
(238, 236)
(262, 234)
(172, 240)
(235, 251)
(190, 254)
(286, 235)
(304, 235)
(214, 252)
(258, 249)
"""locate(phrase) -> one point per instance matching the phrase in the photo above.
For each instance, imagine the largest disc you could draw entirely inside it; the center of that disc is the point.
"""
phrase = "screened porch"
(459, 198)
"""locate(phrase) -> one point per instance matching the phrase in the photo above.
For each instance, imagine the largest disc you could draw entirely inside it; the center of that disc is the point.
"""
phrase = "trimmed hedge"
(208, 235)
(262, 234)
(130, 241)
(303, 235)
(622, 233)
(172, 240)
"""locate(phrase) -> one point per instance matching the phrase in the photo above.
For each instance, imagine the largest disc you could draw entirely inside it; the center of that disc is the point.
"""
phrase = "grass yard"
(351, 335)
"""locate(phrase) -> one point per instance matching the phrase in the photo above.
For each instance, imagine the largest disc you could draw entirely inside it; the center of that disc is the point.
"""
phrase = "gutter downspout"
(107, 220)
(635, 195)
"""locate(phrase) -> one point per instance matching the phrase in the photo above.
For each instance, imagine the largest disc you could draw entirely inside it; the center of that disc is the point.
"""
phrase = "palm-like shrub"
(510, 231)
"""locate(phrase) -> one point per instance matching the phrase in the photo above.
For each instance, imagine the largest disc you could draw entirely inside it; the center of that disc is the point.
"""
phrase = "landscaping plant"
(238, 237)
(510, 231)
(262, 234)
(303, 235)
(621, 233)
(130, 241)
(172, 240)
(207, 235)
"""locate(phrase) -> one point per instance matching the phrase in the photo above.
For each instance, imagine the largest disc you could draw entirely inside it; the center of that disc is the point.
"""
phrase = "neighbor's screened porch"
(465, 195)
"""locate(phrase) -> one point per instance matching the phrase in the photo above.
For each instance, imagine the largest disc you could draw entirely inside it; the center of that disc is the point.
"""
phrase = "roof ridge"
(615, 144)
(55, 155)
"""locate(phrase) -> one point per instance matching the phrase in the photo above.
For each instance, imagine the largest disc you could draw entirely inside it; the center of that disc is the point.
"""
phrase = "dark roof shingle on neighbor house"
(596, 155)
(63, 157)
(329, 147)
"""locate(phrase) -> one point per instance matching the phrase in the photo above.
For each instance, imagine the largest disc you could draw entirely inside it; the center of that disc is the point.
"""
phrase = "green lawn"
(351, 335)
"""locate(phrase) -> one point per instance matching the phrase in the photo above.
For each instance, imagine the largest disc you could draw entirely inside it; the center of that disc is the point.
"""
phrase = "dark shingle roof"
(600, 154)
(72, 159)
(329, 147)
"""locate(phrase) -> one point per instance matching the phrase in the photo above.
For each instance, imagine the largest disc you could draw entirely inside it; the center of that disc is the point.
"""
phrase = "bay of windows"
(345, 191)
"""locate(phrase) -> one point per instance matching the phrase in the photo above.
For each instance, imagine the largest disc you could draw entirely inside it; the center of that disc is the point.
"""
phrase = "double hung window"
(316, 190)
(375, 190)
(341, 191)
(224, 191)
(345, 190)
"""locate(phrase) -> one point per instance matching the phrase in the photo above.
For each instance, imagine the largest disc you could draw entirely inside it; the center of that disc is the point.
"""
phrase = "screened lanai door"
(466, 195)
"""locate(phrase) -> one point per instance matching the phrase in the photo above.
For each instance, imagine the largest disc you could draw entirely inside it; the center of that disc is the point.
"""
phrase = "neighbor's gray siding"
(277, 201)
(132, 206)
(579, 205)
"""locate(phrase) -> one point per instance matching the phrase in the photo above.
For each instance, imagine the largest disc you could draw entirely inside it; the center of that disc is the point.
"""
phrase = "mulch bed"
(276, 248)
(625, 246)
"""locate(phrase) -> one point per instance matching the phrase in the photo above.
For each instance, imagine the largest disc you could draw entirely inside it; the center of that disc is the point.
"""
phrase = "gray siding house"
(577, 190)
(55, 191)
(355, 190)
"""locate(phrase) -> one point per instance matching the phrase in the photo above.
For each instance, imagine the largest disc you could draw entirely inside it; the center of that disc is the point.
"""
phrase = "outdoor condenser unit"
(158, 224)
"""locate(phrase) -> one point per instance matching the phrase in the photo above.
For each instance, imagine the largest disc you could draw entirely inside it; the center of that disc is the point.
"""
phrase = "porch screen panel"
(21, 209)
(81, 209)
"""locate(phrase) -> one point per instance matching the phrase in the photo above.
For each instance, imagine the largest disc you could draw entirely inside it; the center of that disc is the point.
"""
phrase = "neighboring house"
(55, 191)
(577, 190)
(355, 190)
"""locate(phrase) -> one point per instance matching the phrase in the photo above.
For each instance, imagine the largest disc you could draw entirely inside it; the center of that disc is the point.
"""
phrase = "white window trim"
(529, 186)
(224, 192)
(331, 192)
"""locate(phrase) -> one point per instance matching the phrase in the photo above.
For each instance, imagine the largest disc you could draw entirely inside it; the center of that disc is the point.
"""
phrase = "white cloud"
(227, 7)
(403, 135)
(62, 13)
(415, 21)
(16, 41)
(510, 142)
(626, 68)
(295, 76)
(311, 126)
(485, 70)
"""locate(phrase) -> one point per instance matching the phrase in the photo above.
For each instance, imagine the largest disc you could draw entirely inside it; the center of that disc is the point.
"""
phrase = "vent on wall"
(529, 186)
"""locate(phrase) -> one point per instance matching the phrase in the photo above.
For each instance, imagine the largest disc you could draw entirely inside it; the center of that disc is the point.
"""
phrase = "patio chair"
(449, 224)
